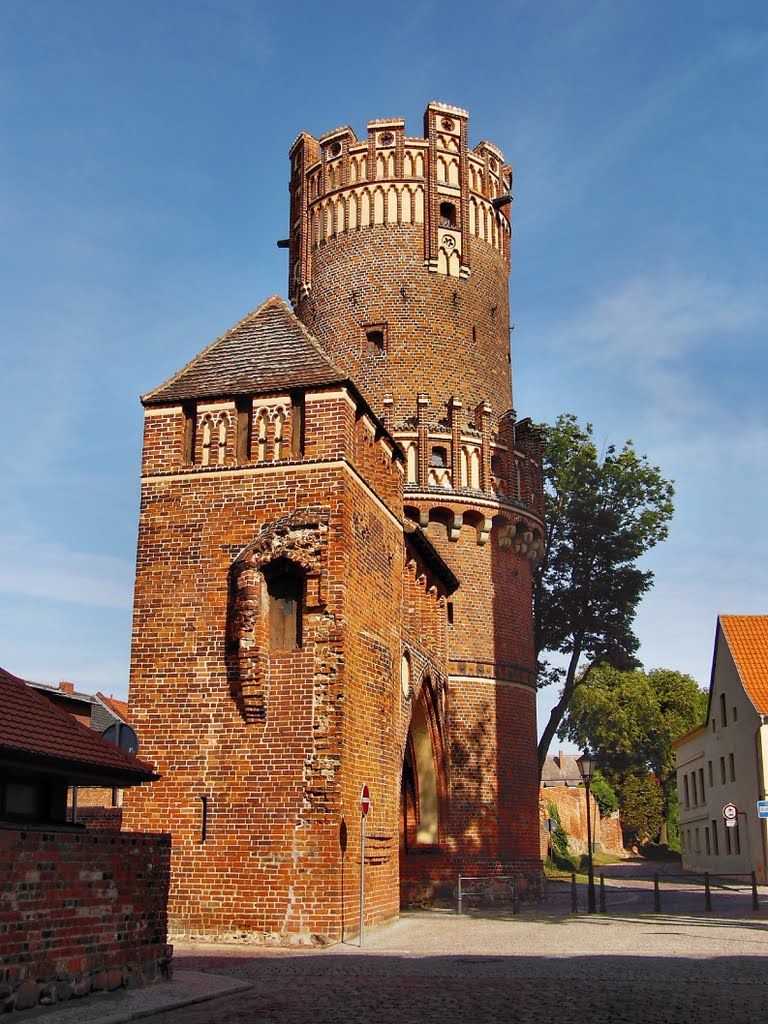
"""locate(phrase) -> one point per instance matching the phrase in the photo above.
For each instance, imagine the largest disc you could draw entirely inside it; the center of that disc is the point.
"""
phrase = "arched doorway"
(423, 778)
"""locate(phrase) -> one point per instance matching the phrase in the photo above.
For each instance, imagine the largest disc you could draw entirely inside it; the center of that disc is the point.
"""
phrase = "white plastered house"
(724, 761)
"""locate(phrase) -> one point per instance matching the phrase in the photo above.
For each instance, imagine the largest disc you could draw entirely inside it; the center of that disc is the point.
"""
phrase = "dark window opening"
(244, 426)
(203, 818)
(715, 840)
(189, 411)
(376, 338)
(297, 424)
(285, 587)
(447, 215)
(723, 716)
(439, 456)
(450, 613)
(731, 767)
(497, 465)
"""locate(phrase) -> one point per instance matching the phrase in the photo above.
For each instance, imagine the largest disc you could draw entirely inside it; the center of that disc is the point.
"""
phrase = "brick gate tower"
(340, 518)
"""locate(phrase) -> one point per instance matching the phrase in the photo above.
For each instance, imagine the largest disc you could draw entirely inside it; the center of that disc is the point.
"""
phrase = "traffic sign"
(730, 812)
(365, 801)
(762, 808)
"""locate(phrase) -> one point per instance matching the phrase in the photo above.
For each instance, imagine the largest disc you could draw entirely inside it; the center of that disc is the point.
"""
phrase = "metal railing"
(488, 888)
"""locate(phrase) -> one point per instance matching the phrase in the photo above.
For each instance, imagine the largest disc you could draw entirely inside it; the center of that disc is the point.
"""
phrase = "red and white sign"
(365, 801)
(730, 812)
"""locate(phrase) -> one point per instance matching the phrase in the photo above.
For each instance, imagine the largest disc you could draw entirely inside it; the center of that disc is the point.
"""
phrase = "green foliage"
(558, 838)
(630, 720)
(604, 510)
(603, 792)
(642, 808)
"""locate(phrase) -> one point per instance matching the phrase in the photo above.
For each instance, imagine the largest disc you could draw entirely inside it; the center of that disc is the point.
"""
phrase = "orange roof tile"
(747, 637)
(35, 731)
(119, 707)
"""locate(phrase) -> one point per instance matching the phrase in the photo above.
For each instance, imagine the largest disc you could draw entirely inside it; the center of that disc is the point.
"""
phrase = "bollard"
(574, 897)
(656, 895)
(602, 893)
(459, 893)
(707, 893)
(755, 902)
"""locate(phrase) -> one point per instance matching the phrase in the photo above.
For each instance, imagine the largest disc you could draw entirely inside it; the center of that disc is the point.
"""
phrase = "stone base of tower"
(431, 879)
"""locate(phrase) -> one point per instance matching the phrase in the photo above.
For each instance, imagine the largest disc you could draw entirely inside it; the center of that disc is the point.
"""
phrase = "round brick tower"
(399, 266)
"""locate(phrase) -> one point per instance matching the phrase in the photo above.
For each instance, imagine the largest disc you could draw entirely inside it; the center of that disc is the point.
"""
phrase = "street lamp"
(586, 765)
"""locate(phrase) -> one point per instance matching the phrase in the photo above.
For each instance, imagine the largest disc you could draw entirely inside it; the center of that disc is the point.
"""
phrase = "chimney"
(67, 687)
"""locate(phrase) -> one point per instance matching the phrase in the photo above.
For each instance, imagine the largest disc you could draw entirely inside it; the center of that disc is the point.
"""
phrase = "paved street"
(431, 967)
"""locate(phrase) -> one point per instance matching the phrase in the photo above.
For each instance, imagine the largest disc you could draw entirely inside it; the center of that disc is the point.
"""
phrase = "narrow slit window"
(244, 425)
(203, 818)
(190, 424)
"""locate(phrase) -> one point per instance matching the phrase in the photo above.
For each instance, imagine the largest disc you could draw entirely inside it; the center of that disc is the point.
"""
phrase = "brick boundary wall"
(571, 804)
(106, 819)
(81, 912)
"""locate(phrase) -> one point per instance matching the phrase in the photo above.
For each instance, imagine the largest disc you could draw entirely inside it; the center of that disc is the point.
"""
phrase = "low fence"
(732, 894)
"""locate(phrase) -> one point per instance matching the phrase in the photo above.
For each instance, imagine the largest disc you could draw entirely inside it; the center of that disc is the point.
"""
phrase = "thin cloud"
(50, 571)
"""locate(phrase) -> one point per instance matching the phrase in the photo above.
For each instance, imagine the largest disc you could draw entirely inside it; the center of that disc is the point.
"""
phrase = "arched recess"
(423, 784)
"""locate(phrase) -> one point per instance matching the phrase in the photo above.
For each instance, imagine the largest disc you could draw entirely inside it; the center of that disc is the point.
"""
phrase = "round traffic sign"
(730, 812)
(365, 800)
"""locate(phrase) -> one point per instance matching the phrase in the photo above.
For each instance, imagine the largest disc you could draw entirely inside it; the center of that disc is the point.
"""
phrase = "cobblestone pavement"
(431, 967)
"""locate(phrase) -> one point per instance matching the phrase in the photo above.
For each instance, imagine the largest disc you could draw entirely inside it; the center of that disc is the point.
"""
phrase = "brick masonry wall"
(277, 788)
(80, 912)
(572, 806)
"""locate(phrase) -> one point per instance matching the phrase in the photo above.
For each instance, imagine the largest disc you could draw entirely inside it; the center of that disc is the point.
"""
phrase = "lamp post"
(586, 765)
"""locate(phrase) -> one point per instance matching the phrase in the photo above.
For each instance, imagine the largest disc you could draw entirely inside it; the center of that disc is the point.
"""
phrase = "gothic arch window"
(207, 438)
(261, 433)
(221, 445)
(281, 448)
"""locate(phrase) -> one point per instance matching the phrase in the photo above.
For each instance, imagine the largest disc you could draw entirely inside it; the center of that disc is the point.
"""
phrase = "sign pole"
(362, 875)
(365, 806)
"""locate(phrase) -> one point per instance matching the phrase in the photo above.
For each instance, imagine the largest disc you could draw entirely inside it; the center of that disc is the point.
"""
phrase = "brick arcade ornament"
(339, 522)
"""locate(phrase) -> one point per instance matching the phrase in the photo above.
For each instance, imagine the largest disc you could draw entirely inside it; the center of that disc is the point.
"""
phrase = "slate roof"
(747, 637)
(35, 732)
(270, 350)
(561, 770)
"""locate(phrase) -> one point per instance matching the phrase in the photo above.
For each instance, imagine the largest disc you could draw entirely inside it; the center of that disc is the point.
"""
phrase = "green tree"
(642, 808)
(603, 792)
(630, 720)
(604, 510)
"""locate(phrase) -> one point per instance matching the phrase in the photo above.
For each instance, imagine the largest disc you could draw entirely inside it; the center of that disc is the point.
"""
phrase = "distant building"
(560, 770)
(724, 761)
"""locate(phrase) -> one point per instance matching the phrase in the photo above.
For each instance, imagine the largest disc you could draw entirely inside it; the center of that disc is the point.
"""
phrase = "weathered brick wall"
(108, 819)
(572, 807)
(278, 783)
(80, 911)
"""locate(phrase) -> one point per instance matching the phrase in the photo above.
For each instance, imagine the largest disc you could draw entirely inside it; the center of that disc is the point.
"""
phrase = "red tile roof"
(35, 732)
(118, 707)
(747, 637)
(269, 350)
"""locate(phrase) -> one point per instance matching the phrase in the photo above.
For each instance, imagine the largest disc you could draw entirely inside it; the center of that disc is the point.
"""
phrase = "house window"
(686, 791)
(694, 794)
(736, 838)
(723, 716)
(711, 774)
(707, 844)
(285, 587)
(715, 841)
(728, 832)
(732, 767)
(701, 785)
(735, 713)
(722, 770)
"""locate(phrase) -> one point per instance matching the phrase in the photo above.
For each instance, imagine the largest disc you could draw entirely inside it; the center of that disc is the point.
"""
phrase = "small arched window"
(447, 215)
(439, 456)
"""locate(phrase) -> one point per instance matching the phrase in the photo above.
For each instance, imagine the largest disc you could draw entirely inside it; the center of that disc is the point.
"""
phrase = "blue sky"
(143, 184)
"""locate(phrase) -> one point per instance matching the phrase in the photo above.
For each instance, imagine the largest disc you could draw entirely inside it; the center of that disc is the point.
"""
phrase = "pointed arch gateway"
(423, 782)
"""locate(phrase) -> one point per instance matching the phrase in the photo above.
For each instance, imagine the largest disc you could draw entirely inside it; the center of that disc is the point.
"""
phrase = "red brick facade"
(80, 911)
(381, 466)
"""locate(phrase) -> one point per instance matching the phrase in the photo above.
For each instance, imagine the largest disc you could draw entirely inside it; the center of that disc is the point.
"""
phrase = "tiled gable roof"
(747, 637)
(270, 350)
(35, 731)
(117, 707)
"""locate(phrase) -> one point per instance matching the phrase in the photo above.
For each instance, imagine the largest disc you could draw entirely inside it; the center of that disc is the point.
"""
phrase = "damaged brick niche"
(81, 912)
